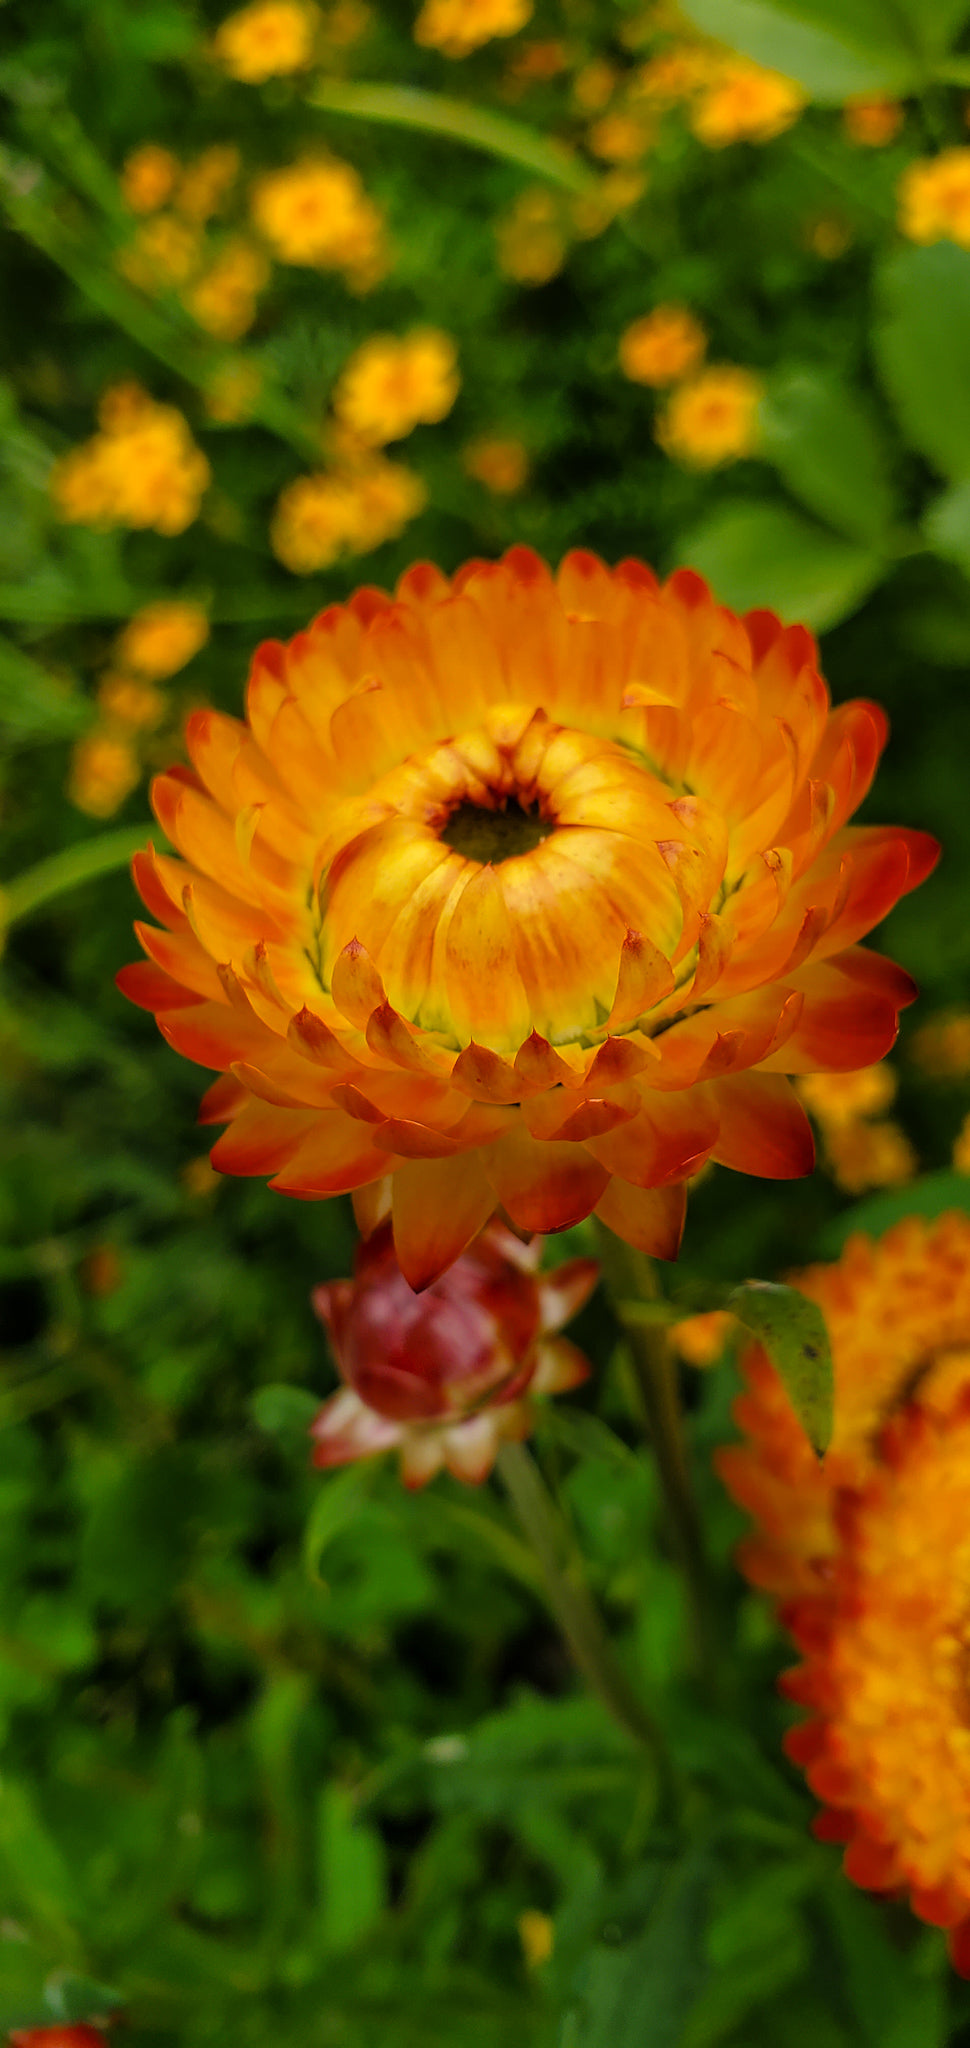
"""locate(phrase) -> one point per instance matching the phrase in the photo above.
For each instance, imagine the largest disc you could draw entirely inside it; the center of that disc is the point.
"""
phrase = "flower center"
(491, 836)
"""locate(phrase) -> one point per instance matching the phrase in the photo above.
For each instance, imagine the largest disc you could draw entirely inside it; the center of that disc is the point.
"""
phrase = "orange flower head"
(104, 770)
(162, 637)
(701, 1340)
(934, 198)
(499, 461)
(864, 1155)
(744, 103)
(268, 39)
(316, 212)
(130, 702)
(206, 182)
(524, 890)
(456, 27)
(393, 384)
(142, 470)
(445, 1375)
(223, 301)
(941, 1046)
(840, 1099)
(164, 252)
(148, 177)
(620, 137)
(711, 419)
(869, 1554)
(870, 121)
(661, 347)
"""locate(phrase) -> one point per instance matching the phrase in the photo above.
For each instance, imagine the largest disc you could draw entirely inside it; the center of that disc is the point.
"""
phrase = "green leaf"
(758, 554)
(336, 1504)
(34, 705)
(930, 1196)
(792, 1330)
(643, 1992)
(896, 2005)
(351, 1867)
(826, 447)
(284, 1411)
(76, 1999)
(946, 525)
(831, 47)
(922, 343)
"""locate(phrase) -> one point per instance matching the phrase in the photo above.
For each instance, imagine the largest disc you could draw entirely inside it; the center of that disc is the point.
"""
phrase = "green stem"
(435, 114)
(63, 871)
(630, 1279)
(570, 1602)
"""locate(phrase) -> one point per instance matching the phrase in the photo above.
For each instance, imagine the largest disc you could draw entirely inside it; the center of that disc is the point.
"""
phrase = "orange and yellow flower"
(316, 212)
(662, 346)
(268, 39)
(148, 177)
(527, 891)
(934, 198)
(394, 383)
(869, 1555)
(162, 637)
(742, 102)
(712, 418)
(142, 470)
(456, 27)
(530, 239)
(499, 461)
(872, 120)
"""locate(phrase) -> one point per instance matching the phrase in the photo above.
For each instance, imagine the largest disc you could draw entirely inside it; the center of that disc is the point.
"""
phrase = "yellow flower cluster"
(161, 638)
(224, 300)
(934, 198)
(456, 27)
(499, 461)
(662, 347)
(742, 102)
(531, 240)
(393, 384)
(151, 176)
(155, 644)
(861, 1148)
(315, 212)
(142, 469)
(713, 418)
(148, 177)
(349, 511)
(219, 286)
(268, 39)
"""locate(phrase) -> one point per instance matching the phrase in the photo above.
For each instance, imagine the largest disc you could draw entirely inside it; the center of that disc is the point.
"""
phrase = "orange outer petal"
(543, 1185)
(651, 1219)
(438, 1206)
(764, 1129)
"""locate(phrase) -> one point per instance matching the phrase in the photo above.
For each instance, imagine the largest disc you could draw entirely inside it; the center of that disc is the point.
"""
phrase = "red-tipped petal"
(152, 989)
(543, 1186)
(764, 1129)
(438, 1206)
(650, 1219)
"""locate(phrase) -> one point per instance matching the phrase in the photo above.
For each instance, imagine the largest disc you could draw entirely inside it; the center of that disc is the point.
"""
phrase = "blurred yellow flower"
(872, 120)
(942, 1046)
(535, 62)
(531, 243)
(498, 461)
(346, 23)
(384, 498)
(320, 517)
(456, 27)
(104, 770)
(537, 1935)
(711, 419)
(148, 177)
(161, 638)
(205, 183)
(744, 103)
(223, 301)
(673, 75)
(231, 392)
(620, 137)
(700, 1340)
(316, 212)
(662, 347)
(862, 1155)
(828, 236)
(163, 252)
(961, 1148)
(128, 701)
(593, 86)
(592, 212)
(934, 198)
(269, 39)
(838, 1099)
(142, 470)
(393, 384)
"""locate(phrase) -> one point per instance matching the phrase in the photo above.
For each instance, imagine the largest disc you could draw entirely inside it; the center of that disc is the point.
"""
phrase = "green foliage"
(792, 1330)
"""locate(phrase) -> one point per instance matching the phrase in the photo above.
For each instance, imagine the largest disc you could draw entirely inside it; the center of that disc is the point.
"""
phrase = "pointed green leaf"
(824, 442)
(760, 554)
(922, 341)
(792, 1330)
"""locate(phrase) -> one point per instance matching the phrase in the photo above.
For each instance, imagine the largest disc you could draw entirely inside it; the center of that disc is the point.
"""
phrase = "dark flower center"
(495, 835)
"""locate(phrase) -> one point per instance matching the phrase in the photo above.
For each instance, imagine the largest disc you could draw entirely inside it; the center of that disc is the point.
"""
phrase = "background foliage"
(288, 1759)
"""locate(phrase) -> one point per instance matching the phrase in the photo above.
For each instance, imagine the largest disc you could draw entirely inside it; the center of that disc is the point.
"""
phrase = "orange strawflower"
(142, 470)
(162, 637)
(713, 418)
(499, 461)
(662, 347)
(701, 1340)
(527, 890)
(316, 212)
(867, 1552)
(869, 1155)
(534, 63)
(674, 75)
(104, 770)
(269, 39)
(744, 103)
(934, 198)
(393, 384)
(443, 1376)
(148, 177)
(206, 182)
(456, 27)
(530, 239)
(872, 120)
(942, 1046)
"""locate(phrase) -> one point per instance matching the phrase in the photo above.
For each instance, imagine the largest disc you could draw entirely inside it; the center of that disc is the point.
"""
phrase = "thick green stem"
(631, 1279)
(62, 871)
(434, 113)
(570, 1602)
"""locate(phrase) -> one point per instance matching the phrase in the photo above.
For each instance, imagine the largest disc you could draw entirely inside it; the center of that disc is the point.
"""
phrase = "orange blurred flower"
(223, 301)
(205, 183)
(269, 39)
(232, 391)
(713, 418)
(130, 702)
(744, 103)
(319, 518)
(701, 1340)
(872, 120)
(499, 461)
(162, 637)
(661, 347)
(526, 890)
(394, 383)
(941, 1046)
(60, 2036)
(163, 252)
(445, 1375)
(620, 137)
(104, 770)
(316, 212)
(866, 1552)
(934, 198)
(840, 1099)
(961, 1147)
(456, 27)
(142, 470)
(864, 1155)
(148, 177)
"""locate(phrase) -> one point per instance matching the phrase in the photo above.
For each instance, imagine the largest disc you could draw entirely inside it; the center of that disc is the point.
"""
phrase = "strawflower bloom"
(662, 347)
(868, 1555)
(620, 137)
(871, 121)
(394, 383)
(744, 103)
(269, 39)
(316, 212)
(701, 1340)
(148, 177)
(443, 1376)
(162, 637)
(499, 461)
(934, 198)
(456, 27)
(523, 890)
(840, 1099)
(318, 518)
(713, 418)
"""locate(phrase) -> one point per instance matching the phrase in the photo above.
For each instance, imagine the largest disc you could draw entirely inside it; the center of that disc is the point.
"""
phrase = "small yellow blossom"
(592, 212)
(942, 1046)
(872, 120)
(536, 62)
(316, 212)
(384, 498)
(711, 419)
(531, 242)
(828, 236)
(934, 198)
(498, 461)
(148, 177)
(232, 391)
(199, 1178)
(269, 39)
(223, 301)
(142, 470)
(123, 406)
(673, 75)
(863, 1155)
(319, 518)
(164, 252)
(839, 1099)
(537, 1935)
(594, 85)
(104, 770)
(700, 1340)
(346, 23)
(744, 103)
(161, 638)
(662, 347)
(392, 385)
(207, 181)
(130, 702)
(961, 1148)
(455, 27)
(620, 137)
